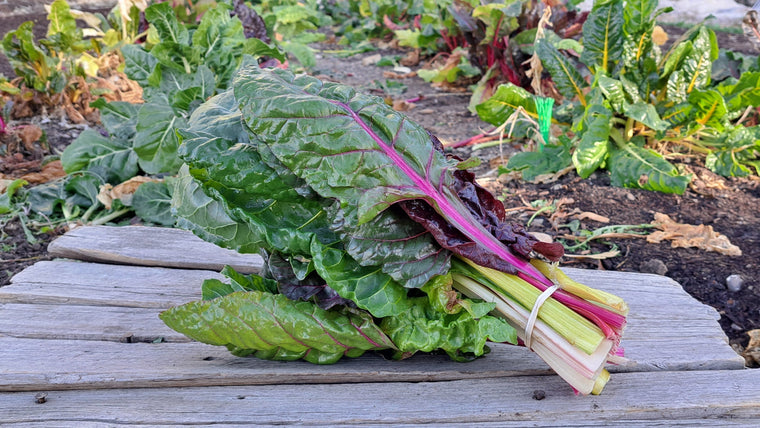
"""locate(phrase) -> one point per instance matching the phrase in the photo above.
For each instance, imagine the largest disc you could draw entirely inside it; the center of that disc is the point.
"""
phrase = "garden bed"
(730, 206)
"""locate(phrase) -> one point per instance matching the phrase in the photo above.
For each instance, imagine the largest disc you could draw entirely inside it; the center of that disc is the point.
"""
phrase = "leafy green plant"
(47, 65)
(178, 71)
(357, 209)
(642, 108)
(178, 68)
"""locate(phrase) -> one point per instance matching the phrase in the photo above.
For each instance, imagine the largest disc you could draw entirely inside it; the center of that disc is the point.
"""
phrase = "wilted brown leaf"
(686, 236)
(411, 59)
(123, 191)
(593, 217)
(394, 75)
(29, 134)
(751, 354)
(49, 172)
(401, 105)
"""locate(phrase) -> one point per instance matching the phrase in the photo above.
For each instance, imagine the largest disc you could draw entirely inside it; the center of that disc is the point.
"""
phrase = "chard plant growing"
(374, 239)
(634, 109)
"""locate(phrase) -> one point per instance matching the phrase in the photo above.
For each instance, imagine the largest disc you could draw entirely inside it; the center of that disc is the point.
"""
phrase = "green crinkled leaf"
(302, 53)
(259, 48)
(402, 247)
(696, 65)
(221, 41)
(552, 159)
(257, 321)
(213, 288)
(173, 81)
(162, 18)
(613, 91)
(208, 218)
(678, 114)
(152, 202)
(460, 335)
(594, 145)
(156, 140)
(637, 15)
(176, 56)
(139, 65)
(6, 198)
(505, 101)
(709, 108)
(735, 151)
(72, 191)
(369, 287)
(603, 35)
(341, 144)
(113, 157)
(61, 21)
(726, 163)
(119, 118)
(741, 94)
(566, 77)
(645, 114)
(637, 167)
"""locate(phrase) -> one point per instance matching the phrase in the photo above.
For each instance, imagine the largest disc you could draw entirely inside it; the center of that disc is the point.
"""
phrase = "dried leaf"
(659, 36)
(50, 172)
(686, 236)
(593, 217)
(401, 105)
(596, 256)
(29, 134)
(752, 353)
(411, 59)
(371, 60)
(123, 191)
(394, 75)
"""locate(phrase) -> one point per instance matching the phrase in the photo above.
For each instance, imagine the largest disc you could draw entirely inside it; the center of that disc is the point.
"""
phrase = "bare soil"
(730, 206)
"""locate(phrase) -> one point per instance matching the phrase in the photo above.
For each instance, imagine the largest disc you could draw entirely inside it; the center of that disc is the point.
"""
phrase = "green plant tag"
(544, 108)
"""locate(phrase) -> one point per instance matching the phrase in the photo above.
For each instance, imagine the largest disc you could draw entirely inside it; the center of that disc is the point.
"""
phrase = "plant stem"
(105, 219)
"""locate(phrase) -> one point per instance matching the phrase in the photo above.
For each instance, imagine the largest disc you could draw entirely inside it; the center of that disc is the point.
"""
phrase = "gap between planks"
(698, 398)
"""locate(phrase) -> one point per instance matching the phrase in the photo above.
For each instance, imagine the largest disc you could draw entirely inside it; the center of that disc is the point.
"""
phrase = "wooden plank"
(81, 364)
(79, 322)
(149, 246)
(682, 335)
(697, 398)
(30, 364)
(81, 283)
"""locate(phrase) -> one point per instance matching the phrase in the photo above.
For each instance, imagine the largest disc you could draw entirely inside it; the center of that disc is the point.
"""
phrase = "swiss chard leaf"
(114, 156)
(152, 202)
(504, 102)
(709, 107)
(637, 167)
(568, 79)
(139, 64)
(356, 149)
(258, 321)
(208, 218)
(460, 335)
(156, 140)
(603, 35)
(645, 114)
(594, 145)
(532, 164)
(162, 17)
(388, 241)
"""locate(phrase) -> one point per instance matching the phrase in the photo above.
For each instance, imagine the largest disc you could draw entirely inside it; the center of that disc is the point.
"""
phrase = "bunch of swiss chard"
(374, 239)
(634, 108)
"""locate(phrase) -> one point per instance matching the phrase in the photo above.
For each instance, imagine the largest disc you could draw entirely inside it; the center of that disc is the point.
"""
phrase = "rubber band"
(534, 313)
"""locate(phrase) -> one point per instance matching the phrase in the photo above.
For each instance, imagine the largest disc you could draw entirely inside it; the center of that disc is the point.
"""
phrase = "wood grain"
(694, 398)
(149, 246)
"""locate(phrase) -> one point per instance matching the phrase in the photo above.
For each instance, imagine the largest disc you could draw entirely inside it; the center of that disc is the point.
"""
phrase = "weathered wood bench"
(85, 331)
